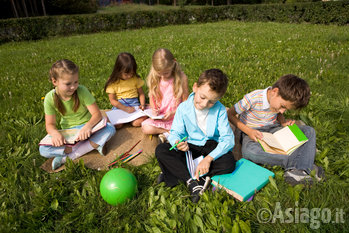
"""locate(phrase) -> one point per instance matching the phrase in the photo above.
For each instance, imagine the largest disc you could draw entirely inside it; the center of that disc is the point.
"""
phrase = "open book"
(244, 181)
(284, 141)
(71, 135)
(193, 163)
(119, 116)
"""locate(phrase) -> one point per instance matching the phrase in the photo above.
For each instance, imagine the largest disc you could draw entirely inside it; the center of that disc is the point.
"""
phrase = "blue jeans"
(100, 137)
(133, 102)
(302, 158)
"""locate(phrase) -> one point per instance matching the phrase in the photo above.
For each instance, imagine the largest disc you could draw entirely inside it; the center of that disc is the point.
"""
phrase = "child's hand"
(155, 112)
(255, 134)
(203, 167)
(142, 107)
(183, 146)
(288, 122)
(84, 133)
(168, 115)
(129, 109)
(58, 139)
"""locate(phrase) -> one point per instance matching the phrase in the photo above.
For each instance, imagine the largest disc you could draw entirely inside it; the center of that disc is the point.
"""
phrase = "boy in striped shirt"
(262, 111)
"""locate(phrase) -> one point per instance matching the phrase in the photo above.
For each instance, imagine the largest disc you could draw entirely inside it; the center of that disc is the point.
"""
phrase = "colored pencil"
(178, 142)
(132, 156)
(123, 155)
(126, 102)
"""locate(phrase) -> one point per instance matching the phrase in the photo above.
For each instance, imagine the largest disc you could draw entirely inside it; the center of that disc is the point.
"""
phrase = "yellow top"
(125, 88)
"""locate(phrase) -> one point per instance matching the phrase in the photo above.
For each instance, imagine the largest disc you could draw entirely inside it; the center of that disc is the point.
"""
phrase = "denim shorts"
(133, 102)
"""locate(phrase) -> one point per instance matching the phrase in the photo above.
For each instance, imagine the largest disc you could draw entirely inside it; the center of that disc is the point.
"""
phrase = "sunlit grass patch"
(253, 55)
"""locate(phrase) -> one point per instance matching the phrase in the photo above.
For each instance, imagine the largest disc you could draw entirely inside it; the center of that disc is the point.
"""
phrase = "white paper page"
(271, 140)
(149, 113)
(197, 161)
(192, 164)
(286, 138)
(120, 117)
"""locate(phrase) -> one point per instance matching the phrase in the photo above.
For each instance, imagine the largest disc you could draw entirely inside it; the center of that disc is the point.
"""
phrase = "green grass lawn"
(253, 55)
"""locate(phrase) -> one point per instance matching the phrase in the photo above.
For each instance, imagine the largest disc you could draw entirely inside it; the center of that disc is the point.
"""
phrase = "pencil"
(126, 102)
(178, 142)
(132, 156)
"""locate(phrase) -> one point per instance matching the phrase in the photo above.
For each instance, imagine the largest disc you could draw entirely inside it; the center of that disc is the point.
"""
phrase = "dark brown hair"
(293, 89)
(216, 79)
(125, 63)
(58, 68)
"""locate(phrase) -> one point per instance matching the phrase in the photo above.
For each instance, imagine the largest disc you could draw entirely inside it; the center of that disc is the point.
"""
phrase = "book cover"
(244, 181)
(284, 141)
(71, 135)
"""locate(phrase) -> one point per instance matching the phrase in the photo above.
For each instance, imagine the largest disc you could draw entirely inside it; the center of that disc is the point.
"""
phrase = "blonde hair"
(163, 60)
(59, 68)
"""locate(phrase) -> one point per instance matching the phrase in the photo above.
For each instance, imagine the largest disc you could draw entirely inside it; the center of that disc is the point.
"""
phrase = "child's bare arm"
(141, 96)
(155, 109)
(252, 133)
(57, 137)
(96, 117)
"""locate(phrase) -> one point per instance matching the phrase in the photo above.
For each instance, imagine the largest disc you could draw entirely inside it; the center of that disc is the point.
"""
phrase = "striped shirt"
(254, 109)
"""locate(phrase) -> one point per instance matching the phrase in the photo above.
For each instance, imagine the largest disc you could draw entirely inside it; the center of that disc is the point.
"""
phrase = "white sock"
(80, 150)
(166, 134)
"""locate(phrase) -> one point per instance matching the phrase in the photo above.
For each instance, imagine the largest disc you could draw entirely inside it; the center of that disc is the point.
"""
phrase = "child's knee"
(111, 129)
(44, 152)
(146, 129)
(136, 123)
(308, 131)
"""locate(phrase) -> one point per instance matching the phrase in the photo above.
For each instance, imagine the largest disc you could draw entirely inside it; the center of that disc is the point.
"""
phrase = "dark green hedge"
(42, 27)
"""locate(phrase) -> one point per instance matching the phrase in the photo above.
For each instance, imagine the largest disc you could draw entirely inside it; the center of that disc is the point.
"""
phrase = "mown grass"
(253, 55)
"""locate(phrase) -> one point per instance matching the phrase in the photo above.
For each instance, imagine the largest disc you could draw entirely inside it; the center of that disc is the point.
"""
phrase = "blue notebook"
(244, 181)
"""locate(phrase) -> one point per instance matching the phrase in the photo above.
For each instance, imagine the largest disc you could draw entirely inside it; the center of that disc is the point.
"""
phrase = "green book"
(284, 141)
(244, 181)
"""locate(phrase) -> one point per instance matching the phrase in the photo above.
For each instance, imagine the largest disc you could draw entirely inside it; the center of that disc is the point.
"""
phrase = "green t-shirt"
(71, 118)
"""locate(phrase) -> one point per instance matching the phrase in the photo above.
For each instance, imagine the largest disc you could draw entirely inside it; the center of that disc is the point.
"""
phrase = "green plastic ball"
(117, 186)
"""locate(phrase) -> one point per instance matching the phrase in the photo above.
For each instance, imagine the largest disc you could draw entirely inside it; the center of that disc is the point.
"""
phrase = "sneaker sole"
(293, 182)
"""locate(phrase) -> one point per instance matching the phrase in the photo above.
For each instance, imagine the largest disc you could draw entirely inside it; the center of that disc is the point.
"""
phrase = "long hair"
(163, 60)
(59, 68)
(125, 63)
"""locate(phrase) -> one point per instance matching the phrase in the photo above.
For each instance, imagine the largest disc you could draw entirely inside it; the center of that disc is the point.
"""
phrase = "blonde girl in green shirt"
(77, 108)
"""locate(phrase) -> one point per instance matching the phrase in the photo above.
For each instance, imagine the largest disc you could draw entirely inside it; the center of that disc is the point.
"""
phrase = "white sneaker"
(163, 137)
(296, 176)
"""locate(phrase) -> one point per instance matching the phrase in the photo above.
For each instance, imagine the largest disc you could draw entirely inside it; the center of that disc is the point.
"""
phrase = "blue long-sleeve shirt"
(218, 128)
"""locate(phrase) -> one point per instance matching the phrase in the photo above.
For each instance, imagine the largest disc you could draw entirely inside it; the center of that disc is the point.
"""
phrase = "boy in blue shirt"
(204, 121)
(262, 111)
